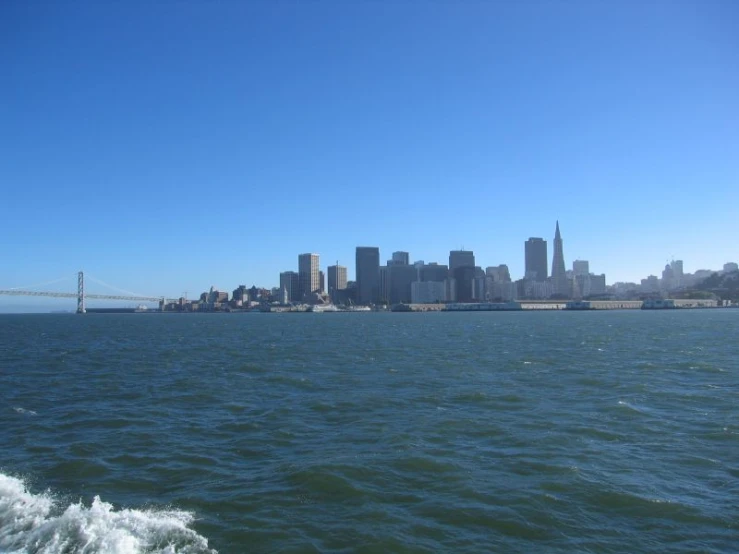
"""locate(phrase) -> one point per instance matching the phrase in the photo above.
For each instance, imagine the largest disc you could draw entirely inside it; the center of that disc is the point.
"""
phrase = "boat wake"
(36, 523)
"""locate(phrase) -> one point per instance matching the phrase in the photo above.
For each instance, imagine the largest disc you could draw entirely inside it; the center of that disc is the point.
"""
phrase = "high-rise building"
(401, 258)
(559, 274)
(536, 258)
(401, 276)
(462, 273)
(322, 281)
(428, 292)
(240, 295)
(499, 273)
(677, 268)
(336, 278)
(368, 274)
(290, 281)
(464, 277)
(461, 258)
(434, 272)
(580, 267)
(310, 279)
(384, 284)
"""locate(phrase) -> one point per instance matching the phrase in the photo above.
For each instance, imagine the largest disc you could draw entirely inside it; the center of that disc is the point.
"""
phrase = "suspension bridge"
(81, 296)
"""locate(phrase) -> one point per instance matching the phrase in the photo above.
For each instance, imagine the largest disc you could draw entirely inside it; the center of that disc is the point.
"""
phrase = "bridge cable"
(26, 287)
(128, 292)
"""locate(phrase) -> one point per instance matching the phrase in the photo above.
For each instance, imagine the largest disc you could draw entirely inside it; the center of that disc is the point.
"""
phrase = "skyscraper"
(400, 258)
(368, 274)
(559, 274)
(336, 278)
(461, 258)
(290, 281)
(308, 274)
(462, 272)
(581, 267)
(536, 257)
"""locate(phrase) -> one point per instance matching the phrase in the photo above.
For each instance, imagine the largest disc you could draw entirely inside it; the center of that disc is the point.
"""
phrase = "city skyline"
(401, 279)
(163, 150)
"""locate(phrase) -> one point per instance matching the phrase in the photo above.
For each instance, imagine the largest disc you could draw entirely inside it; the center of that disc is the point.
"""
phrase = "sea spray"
(36, 523)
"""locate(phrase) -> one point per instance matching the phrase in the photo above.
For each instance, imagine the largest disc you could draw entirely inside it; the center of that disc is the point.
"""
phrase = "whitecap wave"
(34, 523)
(24, 411)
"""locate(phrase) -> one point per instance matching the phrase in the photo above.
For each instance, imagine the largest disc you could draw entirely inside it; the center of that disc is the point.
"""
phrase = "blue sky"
(170, 146)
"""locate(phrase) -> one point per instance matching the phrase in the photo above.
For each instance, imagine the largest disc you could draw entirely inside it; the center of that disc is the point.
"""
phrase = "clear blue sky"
(170, 146)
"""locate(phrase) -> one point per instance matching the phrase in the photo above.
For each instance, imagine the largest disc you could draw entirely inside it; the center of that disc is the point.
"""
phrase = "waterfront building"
(321, 281)
(535, 290)
(503, 291)
(428, 292)
(561, 284)
(368, 274)
(336, 279)
(308, 274)
(290, 282)
(535, 250)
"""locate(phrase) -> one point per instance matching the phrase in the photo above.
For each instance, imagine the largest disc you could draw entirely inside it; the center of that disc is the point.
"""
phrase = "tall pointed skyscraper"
(559, 275)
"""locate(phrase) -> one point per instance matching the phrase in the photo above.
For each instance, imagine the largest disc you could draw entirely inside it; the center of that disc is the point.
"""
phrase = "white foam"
(34, 523)
(24, 411)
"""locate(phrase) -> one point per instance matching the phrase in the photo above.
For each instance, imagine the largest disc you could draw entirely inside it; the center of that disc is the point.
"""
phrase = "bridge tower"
(80, 293)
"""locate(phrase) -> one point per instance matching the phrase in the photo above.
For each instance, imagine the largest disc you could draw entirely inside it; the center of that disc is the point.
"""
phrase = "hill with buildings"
(724, 285)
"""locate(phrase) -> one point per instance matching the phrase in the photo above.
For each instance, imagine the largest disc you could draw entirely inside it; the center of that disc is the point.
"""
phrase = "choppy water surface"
(507, 432)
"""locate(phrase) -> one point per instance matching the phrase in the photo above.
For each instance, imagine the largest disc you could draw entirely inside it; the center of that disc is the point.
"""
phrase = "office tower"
(461, 258)
(400, 277)
(498, 273)
(322, 281)
(401, 258)
(559, 274)
(581, 267)
(336, 278)
(464, 277)
(308, 274)
(536, 257)
(462, 273)
(434, 272)
(384, 285)
(290, 281)
(368, 274)
(677, 268)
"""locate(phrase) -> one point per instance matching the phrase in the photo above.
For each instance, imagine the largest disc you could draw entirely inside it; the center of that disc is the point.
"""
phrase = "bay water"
(370, 432)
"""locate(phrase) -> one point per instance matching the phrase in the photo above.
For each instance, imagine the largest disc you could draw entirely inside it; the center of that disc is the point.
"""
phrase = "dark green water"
(488, 432)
